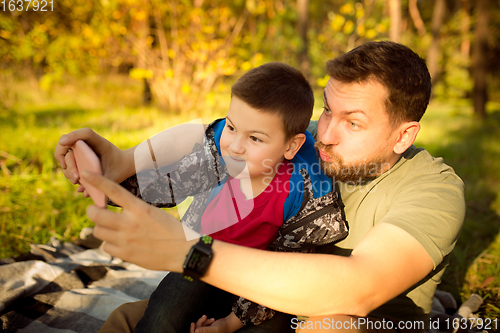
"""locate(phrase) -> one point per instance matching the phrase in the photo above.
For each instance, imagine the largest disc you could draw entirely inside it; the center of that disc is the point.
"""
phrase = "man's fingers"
(104, 218)
(111, 249)
(113, 191)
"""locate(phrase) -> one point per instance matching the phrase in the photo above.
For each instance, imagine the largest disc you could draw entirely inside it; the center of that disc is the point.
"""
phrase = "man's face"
(355, 138)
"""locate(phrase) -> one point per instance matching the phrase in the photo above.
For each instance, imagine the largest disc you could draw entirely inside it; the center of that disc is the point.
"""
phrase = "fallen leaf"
(487, 281)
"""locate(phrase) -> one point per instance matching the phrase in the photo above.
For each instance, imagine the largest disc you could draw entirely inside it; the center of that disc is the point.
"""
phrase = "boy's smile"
(255, 141)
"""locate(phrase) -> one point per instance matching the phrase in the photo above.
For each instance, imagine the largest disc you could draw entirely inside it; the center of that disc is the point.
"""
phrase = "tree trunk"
(464, 29)
(434, 50)
(480, 49)
(142, 35)
(395, 15)
(417, 19)
(303, 14)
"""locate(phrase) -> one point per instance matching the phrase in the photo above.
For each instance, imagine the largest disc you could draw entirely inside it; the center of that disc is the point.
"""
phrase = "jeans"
(176, 303)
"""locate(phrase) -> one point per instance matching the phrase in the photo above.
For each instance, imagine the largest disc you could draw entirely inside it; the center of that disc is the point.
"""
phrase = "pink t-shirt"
(259, 218)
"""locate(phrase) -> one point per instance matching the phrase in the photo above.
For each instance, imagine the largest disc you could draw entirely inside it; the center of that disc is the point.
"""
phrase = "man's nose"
(330, 135)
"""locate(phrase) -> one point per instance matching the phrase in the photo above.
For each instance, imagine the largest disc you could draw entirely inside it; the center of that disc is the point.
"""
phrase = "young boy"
(281, 202)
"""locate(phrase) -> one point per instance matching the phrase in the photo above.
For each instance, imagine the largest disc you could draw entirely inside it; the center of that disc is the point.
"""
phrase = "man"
(405, 210)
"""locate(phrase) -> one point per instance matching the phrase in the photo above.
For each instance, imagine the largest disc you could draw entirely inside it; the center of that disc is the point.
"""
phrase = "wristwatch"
(198, 259)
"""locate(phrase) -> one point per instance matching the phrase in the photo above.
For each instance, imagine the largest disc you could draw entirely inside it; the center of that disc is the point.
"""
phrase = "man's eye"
(255, 139)
(326, 110)
(353, 125)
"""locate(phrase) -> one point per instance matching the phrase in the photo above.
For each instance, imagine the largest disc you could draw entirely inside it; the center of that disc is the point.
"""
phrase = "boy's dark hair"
(278, 88)
(399, 69)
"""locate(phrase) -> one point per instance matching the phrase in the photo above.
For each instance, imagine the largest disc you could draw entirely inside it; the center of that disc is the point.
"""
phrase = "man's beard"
(349, 173)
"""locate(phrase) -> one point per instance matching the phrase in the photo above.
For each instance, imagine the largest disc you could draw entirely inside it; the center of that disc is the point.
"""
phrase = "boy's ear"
(407, 133)
(294, 145)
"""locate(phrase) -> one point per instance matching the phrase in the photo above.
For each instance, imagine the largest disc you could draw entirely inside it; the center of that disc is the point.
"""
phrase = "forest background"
(129, 69)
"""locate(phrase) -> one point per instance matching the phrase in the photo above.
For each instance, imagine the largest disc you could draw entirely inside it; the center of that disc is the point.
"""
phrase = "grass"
(37, 202)
(472, 148)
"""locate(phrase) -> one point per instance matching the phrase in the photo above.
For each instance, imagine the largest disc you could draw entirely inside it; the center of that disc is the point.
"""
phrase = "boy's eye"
(231, 128)
(255, 139)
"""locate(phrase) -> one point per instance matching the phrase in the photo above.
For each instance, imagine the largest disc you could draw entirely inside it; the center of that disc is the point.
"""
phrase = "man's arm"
(386, 262)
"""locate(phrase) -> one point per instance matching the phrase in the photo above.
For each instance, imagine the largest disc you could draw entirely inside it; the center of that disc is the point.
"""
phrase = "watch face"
(197, 261)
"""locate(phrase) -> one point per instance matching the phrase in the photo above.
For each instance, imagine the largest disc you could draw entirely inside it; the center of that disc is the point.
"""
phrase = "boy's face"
(355, 138)
(253, 139)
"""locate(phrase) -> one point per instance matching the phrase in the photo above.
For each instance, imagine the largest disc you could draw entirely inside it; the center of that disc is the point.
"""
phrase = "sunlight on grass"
(472, 148)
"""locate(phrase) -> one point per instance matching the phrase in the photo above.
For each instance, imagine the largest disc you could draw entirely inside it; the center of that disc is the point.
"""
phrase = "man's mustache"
(325, 148)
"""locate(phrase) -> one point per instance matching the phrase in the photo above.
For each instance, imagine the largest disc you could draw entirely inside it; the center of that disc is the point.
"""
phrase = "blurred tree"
(417, 19)
(189, 47)
(303, 15)
(395, 14)
(480, 50)
(182, 49)
(453, 79)
(465, 29)
(434, 50)
(340, 25)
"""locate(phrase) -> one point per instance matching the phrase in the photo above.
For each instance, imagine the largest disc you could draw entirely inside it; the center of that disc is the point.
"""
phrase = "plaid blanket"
(63, 287)
(67, 288)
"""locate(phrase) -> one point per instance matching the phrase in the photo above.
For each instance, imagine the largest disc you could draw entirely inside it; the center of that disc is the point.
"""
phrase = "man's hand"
(229, 324)
(116, 164)
(141, 234)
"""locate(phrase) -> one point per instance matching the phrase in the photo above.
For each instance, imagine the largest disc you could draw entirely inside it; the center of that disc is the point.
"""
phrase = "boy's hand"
(202, 322)
(228, 324)
(116, 164)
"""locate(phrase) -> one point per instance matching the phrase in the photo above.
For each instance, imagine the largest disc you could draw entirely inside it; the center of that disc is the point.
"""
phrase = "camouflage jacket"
(317, 220)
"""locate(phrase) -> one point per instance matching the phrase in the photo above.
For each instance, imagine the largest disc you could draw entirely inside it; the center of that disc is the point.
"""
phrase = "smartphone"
(86, 159)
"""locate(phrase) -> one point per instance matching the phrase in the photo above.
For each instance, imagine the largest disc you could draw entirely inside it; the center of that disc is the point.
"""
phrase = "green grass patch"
(472, 147)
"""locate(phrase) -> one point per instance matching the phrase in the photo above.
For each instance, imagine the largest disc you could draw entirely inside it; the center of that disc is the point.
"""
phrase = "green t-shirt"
(421, 195)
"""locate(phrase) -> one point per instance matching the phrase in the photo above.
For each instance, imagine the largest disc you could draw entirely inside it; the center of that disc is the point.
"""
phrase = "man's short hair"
(399, 69)
(278, 88)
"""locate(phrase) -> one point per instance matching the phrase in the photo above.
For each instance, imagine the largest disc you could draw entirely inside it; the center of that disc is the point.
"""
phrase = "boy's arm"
(195, 173)
(251, 313)
(168, 146)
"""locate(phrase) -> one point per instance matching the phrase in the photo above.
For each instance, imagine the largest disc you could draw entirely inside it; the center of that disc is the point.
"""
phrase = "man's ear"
(294, 145)
(407, 134)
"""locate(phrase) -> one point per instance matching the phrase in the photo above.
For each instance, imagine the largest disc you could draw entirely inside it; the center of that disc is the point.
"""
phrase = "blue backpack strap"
(307, 159)
(218, 126)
